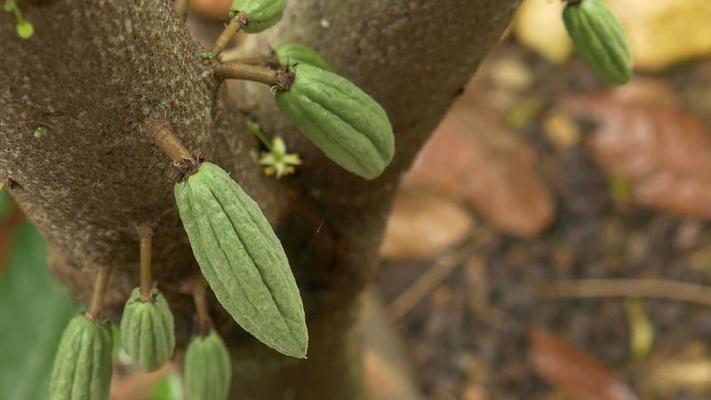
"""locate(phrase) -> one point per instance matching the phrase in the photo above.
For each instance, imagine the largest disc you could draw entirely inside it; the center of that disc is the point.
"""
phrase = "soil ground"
(464, 348)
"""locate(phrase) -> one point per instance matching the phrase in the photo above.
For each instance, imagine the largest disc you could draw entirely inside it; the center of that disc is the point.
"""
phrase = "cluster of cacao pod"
(234, 244)
(238, 253)
(348, 125)
(599, 38)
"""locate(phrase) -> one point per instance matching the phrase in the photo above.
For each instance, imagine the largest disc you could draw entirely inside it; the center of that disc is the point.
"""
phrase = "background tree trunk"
(96, 71)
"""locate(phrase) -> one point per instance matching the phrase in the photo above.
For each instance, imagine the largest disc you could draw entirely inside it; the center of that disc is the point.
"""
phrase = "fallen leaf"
(511, 73)
(423, 224)
(539, 26)
(137, 385)
(665, 32)
(217, 9)
(10, 221)
(677, 370)
(663, 152)
(573, 372)
(561, 131)
(473, 156)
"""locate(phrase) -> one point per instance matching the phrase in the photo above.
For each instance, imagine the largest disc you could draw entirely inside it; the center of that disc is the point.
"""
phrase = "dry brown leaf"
(573, 372)
(474, 156)
(218, 9)
(539, 26)
(661, 151)
(665, 32)
(423, 224)
(8, 226)
(136, 385)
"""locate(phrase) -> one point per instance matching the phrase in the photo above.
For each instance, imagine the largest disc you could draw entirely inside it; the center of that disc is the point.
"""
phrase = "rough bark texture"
(96, 70)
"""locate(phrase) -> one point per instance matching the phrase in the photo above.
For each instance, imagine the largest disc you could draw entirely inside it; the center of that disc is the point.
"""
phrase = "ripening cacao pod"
(293, 54)
(261, 14)
(242, 259)
(147, 332)
(599, 38)
(349, 126)
(208, 371)
(82, 366)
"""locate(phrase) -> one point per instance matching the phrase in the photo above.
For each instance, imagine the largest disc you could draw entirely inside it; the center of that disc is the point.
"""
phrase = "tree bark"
(95, 74)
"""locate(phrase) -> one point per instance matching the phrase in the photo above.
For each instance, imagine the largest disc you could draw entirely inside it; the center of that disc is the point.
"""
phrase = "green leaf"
(34, 310)
(168, 387)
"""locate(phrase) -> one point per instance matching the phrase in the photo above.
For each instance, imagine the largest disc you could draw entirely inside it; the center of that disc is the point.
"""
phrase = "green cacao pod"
(208, 371)
(292, 54)
(261, 14)
(599, 38)
(242, 259)
(82, 366)
(349, 126)
(147, 332)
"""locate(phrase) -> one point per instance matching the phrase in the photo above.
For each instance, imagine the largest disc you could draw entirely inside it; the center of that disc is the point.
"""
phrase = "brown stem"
(97, 296)
(181, 8)
(146, 241)
(655, 288)
(204, 321)
(166, 140)
(227, 34)
(278, 78)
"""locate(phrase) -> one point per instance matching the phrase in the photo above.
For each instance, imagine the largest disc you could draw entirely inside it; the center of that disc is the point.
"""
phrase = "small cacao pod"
(599, 38)
(261, 14)
(208, 371)
(82, 366)
(147, 332)
(242, 259)
(292, 54)
(349, 126)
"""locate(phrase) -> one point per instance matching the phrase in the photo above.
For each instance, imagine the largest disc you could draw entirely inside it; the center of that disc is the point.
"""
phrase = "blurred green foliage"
(34, 310)
(167, 388)
(5, 203)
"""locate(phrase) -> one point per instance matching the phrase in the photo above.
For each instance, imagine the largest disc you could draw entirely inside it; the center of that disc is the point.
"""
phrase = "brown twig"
(181, 9)
(227, 34)
(164, 138)
(426, 283)
(204, 321)
(97, 296)
(281, 79)
(654, 288)
(146, 241)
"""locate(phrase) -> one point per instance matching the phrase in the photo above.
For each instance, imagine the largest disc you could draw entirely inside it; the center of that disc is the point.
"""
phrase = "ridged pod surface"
(208, 370)
(349, 126)
(293, 53)
(82, 366)
(242, 259)
(147, 330)
(599, 38)
(261, 14)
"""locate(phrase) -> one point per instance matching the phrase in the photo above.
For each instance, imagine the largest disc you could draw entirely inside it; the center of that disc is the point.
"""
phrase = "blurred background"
(551, 241)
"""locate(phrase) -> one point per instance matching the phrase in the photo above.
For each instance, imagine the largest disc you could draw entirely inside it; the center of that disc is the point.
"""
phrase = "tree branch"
(96, 71)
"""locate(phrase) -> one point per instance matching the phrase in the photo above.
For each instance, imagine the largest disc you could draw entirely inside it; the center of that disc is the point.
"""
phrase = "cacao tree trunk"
(97, 71)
